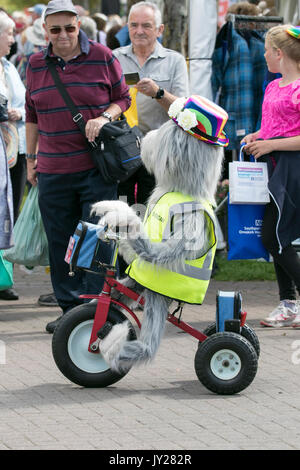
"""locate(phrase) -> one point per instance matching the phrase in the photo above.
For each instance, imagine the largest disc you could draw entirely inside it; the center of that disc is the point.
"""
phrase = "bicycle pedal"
(104, 330)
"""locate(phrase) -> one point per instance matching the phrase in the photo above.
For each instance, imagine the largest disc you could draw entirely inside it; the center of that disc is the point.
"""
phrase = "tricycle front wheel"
(70, 347)
(226, 363)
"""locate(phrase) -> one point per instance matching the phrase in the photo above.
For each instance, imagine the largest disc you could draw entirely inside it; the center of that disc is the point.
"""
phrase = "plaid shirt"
(232, 83)
(259, 66)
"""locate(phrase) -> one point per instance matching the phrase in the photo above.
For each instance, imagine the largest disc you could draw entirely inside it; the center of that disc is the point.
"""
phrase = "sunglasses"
(57, 29)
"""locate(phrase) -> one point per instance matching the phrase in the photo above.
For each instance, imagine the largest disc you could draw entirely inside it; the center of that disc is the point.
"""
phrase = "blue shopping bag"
(244, 231)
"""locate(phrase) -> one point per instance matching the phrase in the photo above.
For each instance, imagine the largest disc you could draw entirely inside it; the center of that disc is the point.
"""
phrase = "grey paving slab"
(162, 406)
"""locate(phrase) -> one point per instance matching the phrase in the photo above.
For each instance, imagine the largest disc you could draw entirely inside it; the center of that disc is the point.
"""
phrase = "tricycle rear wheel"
(226, 363)
(246, 331)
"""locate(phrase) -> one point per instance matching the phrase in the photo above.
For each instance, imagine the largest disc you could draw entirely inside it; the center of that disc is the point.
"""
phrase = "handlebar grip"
(106, 234)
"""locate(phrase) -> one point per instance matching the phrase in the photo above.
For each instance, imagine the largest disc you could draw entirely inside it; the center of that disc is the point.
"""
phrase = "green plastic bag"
(31, 245)
(6, 273)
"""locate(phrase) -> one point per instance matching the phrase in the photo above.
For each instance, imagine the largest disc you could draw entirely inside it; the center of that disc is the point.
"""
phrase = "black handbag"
(117, 150)
(117, 154)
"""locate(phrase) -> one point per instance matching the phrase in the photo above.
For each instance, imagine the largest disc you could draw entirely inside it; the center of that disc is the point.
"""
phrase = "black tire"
(226, 363)
(246, 331)
(71, 353)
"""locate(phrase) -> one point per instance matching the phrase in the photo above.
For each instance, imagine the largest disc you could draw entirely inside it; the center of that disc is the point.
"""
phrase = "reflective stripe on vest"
(203, 273)
(188, 207)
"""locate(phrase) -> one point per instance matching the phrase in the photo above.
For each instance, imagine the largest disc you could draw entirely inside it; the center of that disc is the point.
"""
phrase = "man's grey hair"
(5, 22)
(153, 6)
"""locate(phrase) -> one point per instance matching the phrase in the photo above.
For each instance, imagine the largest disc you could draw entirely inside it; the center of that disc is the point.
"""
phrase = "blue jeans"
(64, 199)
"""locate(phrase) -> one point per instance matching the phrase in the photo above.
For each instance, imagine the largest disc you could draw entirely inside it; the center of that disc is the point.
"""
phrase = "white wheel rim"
(225, 364)
(78, 350)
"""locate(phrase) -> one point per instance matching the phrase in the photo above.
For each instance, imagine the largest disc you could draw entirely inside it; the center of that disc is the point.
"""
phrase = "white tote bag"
(248, 182)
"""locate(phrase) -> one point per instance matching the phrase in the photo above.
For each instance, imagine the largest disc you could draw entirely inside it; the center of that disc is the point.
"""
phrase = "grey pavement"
(161, 406)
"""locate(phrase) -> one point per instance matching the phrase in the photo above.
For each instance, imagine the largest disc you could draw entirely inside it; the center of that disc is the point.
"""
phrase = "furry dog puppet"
(171, 253)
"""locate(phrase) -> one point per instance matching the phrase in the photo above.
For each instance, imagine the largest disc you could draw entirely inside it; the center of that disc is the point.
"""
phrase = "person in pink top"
(280, 132)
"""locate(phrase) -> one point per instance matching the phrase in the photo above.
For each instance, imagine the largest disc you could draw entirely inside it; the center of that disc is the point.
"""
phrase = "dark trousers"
(18, 176)
(64, 200)
(143, 183)
(287, 264)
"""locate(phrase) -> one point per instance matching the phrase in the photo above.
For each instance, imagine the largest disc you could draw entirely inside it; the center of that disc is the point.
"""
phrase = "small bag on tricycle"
(86, 251)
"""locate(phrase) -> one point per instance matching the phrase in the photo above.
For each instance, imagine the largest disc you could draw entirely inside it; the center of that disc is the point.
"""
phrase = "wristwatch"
(160, 93)
(107, 115)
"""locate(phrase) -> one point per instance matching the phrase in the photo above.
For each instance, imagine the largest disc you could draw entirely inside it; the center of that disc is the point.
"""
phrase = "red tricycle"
(226, 359)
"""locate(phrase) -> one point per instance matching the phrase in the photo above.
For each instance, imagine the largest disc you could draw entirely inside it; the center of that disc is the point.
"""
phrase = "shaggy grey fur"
(180, 163)
(142, 350)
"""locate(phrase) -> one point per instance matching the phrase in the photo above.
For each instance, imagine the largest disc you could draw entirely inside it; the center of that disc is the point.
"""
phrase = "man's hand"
(147, 86)
(31, 172)
(14, 115)
(93, 127)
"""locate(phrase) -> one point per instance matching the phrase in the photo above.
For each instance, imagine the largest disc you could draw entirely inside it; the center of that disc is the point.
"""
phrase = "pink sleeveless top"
(281, 110)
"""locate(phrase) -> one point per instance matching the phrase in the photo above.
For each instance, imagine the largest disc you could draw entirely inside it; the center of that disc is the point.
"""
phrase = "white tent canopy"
(202, 36)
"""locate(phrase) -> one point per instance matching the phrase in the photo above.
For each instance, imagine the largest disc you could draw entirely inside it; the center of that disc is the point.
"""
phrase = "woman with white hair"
(12, 88)
(89, 26)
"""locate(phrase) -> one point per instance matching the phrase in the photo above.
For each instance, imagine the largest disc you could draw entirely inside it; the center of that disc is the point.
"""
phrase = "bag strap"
(241, 154)
(76, 115)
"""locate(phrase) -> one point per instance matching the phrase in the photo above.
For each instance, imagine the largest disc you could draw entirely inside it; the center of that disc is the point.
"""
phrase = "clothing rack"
(252, 23)
(257, 23)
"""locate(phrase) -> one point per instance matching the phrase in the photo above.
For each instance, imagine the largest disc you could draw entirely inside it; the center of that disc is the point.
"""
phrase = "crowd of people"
(54, 150)
(91, 54)
(22, 34)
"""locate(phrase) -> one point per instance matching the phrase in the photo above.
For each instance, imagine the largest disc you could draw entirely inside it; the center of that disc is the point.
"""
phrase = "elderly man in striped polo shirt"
(57, 153)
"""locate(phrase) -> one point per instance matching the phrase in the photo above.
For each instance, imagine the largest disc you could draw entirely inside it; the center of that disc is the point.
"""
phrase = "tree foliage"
(130, 3)
(13, 5)
(175, 21)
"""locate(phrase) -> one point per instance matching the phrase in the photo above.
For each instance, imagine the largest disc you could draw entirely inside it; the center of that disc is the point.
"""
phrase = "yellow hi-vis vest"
(190, 282)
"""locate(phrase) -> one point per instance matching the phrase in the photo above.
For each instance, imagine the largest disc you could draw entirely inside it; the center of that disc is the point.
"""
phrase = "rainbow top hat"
(201, 118)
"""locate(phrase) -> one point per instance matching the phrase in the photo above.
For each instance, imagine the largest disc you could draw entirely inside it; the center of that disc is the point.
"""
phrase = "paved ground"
(163, 406)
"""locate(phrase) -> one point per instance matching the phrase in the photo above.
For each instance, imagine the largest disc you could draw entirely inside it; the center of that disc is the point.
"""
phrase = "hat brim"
(11, 139)
(34, 39)
(222, 141)
(60, 10)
